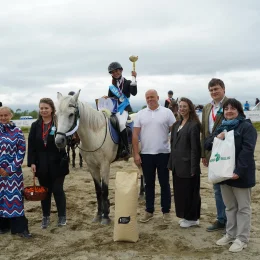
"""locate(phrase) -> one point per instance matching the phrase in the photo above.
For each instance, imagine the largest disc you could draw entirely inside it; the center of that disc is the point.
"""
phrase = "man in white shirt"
(153, 124)
(212, 116)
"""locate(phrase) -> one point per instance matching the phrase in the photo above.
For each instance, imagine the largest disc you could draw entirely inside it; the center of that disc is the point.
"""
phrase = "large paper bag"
(222, 160)
(126, 201)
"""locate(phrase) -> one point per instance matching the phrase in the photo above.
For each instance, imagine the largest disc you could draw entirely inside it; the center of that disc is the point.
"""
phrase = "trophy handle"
(133, 59)
(134, 66)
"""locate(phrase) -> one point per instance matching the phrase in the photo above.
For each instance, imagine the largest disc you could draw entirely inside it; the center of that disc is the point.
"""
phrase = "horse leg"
(141, 192)
(73, 156)
(80, 160)
(105, 204)
(98, 189)
(68, 152)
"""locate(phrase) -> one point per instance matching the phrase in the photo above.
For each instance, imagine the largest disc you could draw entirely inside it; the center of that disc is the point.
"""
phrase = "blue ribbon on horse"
(120, 96)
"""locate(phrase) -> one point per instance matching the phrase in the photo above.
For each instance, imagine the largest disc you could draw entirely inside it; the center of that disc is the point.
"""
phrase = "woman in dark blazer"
(184, 162)
(48, 163)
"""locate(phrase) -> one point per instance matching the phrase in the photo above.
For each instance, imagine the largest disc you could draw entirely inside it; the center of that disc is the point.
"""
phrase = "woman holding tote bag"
(236, 192)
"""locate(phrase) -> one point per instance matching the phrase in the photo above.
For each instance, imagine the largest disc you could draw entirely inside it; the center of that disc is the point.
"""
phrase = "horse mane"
(92, 118)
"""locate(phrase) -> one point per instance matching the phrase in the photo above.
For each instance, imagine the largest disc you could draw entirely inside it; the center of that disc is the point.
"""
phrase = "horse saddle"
(114, 130)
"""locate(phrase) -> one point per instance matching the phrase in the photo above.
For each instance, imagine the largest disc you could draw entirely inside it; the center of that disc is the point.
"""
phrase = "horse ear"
(59, 95)
(177, 100)
(76, 96)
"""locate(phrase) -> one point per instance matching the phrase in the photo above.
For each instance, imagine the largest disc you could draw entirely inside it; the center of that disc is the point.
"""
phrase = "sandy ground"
(81, 239)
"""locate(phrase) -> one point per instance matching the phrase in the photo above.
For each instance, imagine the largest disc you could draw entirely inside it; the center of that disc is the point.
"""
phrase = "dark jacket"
(49, 160)
(245, 140)
(127, 90)
(185, 149)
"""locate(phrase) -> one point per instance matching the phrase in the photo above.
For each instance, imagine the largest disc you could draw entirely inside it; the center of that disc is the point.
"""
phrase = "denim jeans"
(221, 208)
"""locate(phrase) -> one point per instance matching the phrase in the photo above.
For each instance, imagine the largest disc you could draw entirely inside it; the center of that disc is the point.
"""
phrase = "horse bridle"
(74, 128)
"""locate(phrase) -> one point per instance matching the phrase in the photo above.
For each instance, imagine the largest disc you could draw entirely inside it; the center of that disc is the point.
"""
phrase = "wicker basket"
(35, 193)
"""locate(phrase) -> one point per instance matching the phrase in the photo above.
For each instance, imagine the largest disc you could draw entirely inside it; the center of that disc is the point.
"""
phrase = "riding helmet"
(71, 93)
(170, 92)
(114, 66)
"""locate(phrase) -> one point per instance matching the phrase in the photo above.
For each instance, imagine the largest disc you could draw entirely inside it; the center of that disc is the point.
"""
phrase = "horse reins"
(102, 142)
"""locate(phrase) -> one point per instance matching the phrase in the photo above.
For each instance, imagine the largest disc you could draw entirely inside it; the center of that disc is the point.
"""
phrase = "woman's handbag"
(222, 159)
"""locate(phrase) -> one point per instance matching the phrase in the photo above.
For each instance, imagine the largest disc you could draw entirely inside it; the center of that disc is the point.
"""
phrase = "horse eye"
(71, 115)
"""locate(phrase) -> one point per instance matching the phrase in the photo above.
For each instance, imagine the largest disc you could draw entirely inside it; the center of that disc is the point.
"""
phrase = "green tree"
(34, 114)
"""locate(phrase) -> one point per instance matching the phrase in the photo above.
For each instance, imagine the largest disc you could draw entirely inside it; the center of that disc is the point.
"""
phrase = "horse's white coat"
(92, 131)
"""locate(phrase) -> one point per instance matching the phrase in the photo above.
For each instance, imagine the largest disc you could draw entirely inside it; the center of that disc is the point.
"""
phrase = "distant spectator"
(257, 101)
(169, 99)
(246, 106)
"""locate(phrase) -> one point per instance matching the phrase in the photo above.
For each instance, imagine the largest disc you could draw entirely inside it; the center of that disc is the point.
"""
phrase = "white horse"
(97, 147)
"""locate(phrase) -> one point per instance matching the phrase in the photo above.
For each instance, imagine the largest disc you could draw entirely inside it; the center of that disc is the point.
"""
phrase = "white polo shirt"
(154, 126)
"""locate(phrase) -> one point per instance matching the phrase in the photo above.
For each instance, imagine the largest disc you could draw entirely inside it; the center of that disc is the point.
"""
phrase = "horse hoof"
(105, 221)
(97, 219)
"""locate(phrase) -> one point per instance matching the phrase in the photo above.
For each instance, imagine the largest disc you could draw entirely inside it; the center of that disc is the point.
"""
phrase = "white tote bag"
(222, 159)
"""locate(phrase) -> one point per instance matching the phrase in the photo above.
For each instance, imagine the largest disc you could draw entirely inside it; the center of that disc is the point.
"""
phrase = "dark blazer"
(205, 127)
(49, 160)
(185, 149)
(127, 90)
(245, 136)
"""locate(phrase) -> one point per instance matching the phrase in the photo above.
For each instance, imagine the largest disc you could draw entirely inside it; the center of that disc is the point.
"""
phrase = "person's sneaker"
(181, 220)
(45, 222)
(216, 226)
(189, 223)
(237, 246)
(146, 217)
(225, 240)
(25, 234)
(167, 218)
(62, 221)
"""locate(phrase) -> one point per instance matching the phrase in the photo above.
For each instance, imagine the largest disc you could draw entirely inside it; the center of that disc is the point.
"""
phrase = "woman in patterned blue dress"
(12, 151)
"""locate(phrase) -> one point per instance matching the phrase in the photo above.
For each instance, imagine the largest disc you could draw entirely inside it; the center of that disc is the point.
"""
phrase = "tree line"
(18, 113)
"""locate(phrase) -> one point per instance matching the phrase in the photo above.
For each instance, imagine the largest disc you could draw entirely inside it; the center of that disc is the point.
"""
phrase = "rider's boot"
(125, 151)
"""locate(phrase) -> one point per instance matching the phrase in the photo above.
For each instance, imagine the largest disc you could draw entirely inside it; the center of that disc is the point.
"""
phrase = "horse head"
(67, 117)
(174, 107)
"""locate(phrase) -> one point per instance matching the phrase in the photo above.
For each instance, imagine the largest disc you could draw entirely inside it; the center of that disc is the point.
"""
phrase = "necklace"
(45, 131)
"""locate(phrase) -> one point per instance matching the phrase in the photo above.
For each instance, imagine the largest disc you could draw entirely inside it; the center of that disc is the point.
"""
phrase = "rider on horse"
(169, 99)
(121, 89)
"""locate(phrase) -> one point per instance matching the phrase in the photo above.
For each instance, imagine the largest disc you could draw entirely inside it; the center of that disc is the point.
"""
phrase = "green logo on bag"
(217, 155)
(219, 158)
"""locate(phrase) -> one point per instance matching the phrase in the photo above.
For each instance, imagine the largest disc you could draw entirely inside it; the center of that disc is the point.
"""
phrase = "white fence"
(24, 122)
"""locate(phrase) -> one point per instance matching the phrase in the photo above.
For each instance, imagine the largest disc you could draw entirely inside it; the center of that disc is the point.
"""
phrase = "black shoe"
(4, 231)
(45, 222)
(125, 154)
(25, 234)
(216, 226)
(62, 221)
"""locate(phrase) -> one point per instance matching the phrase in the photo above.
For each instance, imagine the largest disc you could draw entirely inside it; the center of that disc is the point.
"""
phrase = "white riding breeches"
(122, 119)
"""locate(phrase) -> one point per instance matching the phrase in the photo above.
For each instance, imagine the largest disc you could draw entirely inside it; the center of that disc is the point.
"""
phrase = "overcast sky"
(61, 45)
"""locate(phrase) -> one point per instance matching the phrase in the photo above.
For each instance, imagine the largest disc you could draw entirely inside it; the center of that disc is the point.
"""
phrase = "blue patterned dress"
(12, 152)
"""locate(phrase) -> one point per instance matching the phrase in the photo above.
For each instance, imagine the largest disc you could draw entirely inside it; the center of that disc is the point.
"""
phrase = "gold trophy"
(133, 59)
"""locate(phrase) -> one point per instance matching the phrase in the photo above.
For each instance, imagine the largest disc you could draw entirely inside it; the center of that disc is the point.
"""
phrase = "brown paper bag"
(126, 201)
